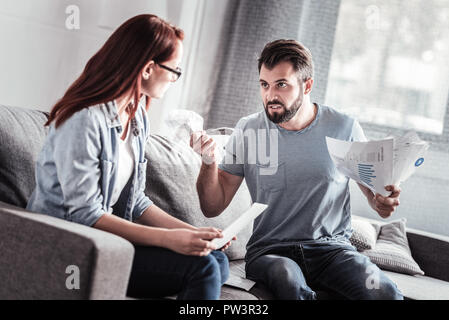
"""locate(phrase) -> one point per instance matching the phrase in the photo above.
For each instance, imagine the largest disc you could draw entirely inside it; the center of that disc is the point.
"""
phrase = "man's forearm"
(210, 191)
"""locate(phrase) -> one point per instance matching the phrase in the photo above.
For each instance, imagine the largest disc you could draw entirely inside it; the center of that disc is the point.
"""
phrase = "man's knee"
(387, 290)
(284, 271)
(364, 280)
(379, 287)
(287, 281)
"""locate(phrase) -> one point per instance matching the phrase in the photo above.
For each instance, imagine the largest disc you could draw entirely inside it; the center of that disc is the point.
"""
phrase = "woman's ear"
(148, 70)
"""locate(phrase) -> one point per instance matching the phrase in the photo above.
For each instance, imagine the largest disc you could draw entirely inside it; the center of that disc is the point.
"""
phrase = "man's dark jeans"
(292, 271)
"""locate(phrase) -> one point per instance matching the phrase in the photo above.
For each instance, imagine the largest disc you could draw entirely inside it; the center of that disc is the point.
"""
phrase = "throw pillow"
(392, 251)
(172, 171)
(364, 234)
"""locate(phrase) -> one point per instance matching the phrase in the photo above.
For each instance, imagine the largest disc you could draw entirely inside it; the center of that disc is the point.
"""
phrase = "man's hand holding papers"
(380, 163)
(379, 166)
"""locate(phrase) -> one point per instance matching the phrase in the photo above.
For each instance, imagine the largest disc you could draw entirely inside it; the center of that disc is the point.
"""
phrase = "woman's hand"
(191, 242)
(227, 245)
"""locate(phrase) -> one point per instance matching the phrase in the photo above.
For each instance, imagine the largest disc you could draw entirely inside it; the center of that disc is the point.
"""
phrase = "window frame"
(438, 142)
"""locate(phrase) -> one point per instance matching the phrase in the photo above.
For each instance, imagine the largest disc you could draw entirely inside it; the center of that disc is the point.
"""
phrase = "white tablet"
(247, 217)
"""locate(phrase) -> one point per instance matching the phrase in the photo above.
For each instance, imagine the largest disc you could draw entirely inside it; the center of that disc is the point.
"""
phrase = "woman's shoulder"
(88, 119)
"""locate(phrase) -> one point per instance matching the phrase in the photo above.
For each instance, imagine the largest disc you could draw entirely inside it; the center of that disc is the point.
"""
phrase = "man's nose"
(270, 95)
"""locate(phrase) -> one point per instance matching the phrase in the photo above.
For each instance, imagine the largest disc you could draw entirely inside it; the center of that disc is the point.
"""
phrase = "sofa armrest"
(41, 256)
(431, 252)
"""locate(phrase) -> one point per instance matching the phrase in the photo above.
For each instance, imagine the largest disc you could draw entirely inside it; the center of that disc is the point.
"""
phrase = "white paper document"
(376, 164)
(247, 217)
(237, 276)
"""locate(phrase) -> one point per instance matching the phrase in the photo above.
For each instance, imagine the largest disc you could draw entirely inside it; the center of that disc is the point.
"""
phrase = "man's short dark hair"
(288, 50)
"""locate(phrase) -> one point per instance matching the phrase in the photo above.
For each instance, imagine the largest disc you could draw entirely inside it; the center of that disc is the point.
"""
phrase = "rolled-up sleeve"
(142, 203)
(77, 148)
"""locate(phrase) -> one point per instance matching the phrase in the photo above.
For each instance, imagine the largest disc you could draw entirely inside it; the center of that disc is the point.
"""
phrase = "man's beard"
(285, 115)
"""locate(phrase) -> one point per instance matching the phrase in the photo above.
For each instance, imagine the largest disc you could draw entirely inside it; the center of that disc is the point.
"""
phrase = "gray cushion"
(172, 172)
(364, 234)
(392, 251)
(22, 134)
(232, 293)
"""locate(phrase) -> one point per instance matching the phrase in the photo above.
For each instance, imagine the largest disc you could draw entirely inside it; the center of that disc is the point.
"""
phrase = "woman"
(91, 169)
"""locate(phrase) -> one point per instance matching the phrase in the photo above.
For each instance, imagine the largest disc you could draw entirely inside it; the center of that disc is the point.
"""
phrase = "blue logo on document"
(419, 162)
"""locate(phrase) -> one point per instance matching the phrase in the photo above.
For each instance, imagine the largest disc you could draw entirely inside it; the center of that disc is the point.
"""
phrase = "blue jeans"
(159, 272)
(295, 272)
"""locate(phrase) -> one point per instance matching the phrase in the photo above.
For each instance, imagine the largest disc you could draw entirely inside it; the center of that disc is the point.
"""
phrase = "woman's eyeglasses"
(175, 73)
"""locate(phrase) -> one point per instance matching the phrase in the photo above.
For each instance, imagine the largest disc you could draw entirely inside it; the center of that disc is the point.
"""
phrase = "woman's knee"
(223, 263)
(208, 268)
(203, 279)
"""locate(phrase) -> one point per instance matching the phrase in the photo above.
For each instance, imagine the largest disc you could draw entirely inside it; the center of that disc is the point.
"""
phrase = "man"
(302, 240)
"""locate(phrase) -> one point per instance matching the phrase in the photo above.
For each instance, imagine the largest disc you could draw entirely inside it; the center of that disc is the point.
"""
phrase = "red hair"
(115, 68)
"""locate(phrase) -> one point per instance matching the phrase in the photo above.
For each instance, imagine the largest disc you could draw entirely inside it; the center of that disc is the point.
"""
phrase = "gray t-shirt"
(291, 171)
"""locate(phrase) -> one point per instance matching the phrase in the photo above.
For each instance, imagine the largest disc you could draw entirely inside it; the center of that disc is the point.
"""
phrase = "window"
(390, 65)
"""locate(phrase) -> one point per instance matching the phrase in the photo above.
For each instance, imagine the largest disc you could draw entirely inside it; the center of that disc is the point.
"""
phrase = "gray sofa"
(38, 252)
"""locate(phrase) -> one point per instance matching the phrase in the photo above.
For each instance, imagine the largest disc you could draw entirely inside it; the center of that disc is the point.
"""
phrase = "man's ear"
(308, 86)
(148, 70)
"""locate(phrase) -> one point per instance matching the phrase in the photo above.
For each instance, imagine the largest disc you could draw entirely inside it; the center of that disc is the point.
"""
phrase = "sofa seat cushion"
(420, 287)
(233, 293)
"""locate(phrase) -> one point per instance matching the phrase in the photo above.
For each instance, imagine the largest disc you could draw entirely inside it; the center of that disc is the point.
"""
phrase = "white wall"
(40, 57)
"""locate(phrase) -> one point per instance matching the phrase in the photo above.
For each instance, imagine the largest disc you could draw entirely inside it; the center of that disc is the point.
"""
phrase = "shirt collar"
(113, 119)
(111, 112)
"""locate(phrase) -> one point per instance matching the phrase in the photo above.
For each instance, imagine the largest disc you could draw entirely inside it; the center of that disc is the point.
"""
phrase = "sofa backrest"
(22, 134)
(172, 171)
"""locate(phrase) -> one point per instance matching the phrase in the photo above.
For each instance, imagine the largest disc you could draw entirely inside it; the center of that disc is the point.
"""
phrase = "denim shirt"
(76, 170)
